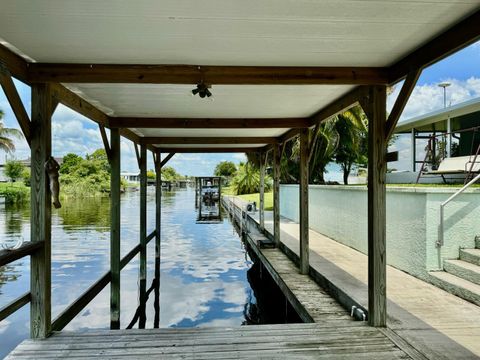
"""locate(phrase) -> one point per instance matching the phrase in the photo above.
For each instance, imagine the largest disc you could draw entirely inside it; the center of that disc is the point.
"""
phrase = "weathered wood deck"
(342, 340)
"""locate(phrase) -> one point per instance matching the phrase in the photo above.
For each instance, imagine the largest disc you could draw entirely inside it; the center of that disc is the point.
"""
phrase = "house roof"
(438, 117)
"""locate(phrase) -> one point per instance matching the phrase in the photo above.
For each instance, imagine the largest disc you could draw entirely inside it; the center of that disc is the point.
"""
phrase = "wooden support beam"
(401, 101)
(465, 33)
(164, 161)
(212, 75)
(143, 235)
(340, 105)
(158, 226)
(115, 229)
(15, 102)
(206, 123)
(14, 305)
(40, 216)
(276, 193)
(137, 155)
(76, 103)
(207, 140)
(15, 63)
(303, 204)
(207, 150)
(375, 108)
(27, 248)
(106, 145)
(262, 191)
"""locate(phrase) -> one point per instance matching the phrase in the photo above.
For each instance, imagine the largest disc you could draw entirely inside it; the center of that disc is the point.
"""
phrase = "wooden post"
(143, 235)
(303, 189)
(377, 167)
(262, 191)
(158, 218)
(276, 193)
(41, 206)
(115, 229)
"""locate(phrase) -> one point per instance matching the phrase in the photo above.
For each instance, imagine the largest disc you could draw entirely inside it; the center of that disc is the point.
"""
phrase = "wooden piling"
(40, 216)
(375, 109)
(115, 229)
(158, 219)
(303, 189)
(262, 191)
(276, 193)
(143, 235)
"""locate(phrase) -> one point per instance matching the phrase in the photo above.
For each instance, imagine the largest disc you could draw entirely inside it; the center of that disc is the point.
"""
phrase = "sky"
(73, 133)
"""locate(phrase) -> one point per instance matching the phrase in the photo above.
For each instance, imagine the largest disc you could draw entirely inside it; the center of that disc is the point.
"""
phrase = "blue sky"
(74, 133)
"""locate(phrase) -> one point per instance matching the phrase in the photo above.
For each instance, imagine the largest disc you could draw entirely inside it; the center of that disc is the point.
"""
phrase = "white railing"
(440, 240)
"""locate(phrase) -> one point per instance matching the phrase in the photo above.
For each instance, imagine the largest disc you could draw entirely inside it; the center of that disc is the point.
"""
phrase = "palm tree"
(351, 127)
(6, 134)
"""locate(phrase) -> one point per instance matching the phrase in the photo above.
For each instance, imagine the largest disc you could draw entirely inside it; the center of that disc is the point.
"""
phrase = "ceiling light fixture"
(202, 90)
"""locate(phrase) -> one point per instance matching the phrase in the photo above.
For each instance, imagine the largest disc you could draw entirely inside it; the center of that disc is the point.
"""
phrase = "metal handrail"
(440, 240)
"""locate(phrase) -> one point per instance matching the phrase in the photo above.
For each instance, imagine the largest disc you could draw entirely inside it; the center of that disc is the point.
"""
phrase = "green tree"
(151, 175)
(14, 169)
(247, 180)
(70, 162)
(351, 127)
(226, 169)
(169, 174)
(6, 135)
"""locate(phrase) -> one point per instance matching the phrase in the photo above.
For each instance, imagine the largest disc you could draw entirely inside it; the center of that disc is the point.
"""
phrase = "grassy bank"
(14, 193)
(252, 197)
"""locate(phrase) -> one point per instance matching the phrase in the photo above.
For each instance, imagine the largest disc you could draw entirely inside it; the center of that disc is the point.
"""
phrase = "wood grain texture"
(15, 102)
(303, 205)
(16, 65)
(401, 101)
(262, 190)
(40, 216)
(375, 109)
(143, 235)
(208, 140)
(115, 229)
(194, 74)
(28, 248)
(276, 193)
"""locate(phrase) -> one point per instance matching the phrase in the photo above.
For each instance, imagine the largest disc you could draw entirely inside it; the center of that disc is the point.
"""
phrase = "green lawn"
(256, 198)
(15, 192)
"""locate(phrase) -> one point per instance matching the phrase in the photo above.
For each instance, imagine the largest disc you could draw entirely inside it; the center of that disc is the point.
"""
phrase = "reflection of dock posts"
(196, 193)
(40, 263)
(219, 197)
(200, 194)
(303, 188)
(158, 218)
(115, 229)
(142, 162)
(276, 193)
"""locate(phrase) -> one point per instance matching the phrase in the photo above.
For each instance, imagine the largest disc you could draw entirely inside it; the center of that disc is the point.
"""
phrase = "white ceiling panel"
(229, 101)
(226, 32)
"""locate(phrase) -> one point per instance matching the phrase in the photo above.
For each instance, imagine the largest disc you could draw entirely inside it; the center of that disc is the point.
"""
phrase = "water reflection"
(201, 281)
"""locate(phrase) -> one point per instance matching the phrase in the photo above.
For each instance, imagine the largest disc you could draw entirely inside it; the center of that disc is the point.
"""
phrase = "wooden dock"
(342, 340)
(329, 332)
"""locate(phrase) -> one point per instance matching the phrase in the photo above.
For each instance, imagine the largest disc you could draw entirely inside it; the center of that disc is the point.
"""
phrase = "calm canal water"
(204, 267)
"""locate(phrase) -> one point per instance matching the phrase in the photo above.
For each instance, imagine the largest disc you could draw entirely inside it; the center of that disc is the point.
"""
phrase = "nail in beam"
(115, 229)
(276, 193)
(40, 263)
(143, 234)
(303, 189)
(262, 191)
(377, 166)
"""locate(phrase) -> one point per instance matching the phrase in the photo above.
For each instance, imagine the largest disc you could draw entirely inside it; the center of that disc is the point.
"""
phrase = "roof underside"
(246, 33)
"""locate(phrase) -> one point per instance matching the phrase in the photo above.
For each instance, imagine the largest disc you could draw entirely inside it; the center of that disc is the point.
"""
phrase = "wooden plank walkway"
(343, 340)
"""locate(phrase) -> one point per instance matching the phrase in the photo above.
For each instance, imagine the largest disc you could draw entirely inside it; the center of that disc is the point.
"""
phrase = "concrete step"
(463, 269)
(470, 255)
(457, 286)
